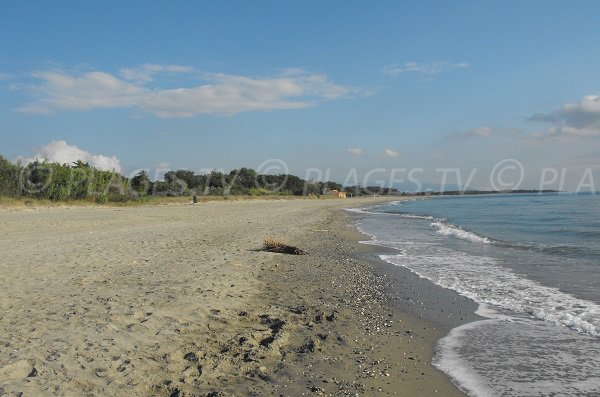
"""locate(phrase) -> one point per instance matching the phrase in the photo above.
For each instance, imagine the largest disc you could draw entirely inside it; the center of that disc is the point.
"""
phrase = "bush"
(9, 178)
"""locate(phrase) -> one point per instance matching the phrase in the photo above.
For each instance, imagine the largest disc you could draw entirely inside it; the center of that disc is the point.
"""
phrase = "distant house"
(338, 194)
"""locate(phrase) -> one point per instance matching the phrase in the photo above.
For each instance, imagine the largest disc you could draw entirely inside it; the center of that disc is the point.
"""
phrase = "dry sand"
(178, 301)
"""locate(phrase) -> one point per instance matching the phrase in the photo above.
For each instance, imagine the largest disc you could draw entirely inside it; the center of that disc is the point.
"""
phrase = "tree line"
(80, 181)
(242, 181)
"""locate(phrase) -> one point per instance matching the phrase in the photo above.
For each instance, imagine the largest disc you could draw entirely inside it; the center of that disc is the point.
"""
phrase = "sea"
(532, 264)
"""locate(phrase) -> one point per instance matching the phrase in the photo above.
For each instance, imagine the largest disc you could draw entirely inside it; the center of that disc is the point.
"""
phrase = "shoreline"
(414, 295)
(175, 301)
(394, 348)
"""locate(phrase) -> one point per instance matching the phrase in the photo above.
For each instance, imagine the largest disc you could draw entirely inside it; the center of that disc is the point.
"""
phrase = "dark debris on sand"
(272, 245)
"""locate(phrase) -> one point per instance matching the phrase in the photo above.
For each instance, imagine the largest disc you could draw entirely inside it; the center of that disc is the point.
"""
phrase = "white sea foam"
(527, 345)
(483, 280)
(448, 360)
(513, 356)
(424, 217)
(374, 241)
(399, 202)
(450, 230)
(363, 210)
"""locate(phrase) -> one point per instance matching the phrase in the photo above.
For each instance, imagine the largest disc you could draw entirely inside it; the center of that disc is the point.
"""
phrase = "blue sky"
(334, 86)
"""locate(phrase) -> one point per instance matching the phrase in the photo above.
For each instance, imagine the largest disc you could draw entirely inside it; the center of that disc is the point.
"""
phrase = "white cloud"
(355, 151)
(390, 153)
(491, 134)
(222, 94)
(63, 153)
(479, 132)
(163, 165)
(575, 120)
(425, 70)
(146, 72)
(574, 132)
(94, 90)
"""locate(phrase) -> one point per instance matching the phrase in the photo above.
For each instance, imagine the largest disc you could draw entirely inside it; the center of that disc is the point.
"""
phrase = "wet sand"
(179, 301)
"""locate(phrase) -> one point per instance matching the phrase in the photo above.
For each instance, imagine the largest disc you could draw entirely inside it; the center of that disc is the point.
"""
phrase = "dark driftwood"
(281, 248)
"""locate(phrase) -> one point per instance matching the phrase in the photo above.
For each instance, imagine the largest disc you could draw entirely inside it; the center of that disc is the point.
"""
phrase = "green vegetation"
(9, 178)
(42, 181)
(243, 181)
(80, 181)
(61, 182)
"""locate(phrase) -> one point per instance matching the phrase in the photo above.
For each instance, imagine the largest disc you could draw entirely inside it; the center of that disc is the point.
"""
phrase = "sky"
(488, 94)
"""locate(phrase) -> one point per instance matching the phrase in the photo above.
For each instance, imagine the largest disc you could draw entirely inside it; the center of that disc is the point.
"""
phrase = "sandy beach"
(179, 301)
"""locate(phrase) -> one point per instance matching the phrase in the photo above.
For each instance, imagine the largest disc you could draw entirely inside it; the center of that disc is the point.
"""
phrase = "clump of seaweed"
(274, 245)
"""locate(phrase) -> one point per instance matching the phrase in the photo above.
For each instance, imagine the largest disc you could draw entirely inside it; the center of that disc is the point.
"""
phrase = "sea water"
(531, 262)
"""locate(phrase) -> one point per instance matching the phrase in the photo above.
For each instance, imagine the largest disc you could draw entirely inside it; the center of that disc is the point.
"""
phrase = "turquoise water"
(532, 263)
